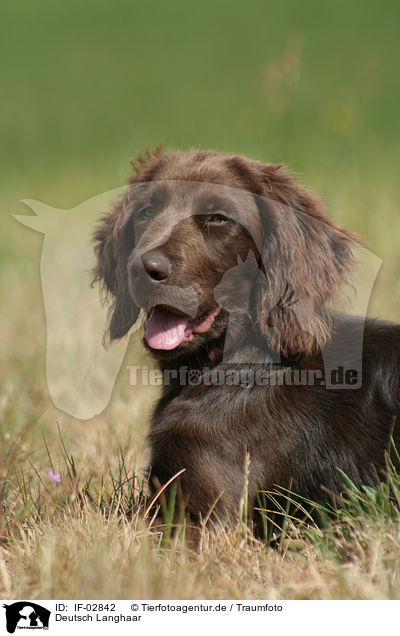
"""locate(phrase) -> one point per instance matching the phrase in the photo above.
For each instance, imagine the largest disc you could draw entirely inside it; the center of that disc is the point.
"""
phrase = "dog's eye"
(216, 219)
(145, 213)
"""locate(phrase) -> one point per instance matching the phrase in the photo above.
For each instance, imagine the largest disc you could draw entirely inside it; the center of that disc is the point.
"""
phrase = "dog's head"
(193, 222)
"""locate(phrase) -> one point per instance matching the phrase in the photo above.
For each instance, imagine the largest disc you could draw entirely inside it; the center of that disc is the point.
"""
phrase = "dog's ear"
(113, 241)
(304, 261)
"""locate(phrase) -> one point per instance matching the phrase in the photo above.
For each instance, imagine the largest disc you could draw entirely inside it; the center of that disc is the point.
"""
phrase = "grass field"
(84, 87)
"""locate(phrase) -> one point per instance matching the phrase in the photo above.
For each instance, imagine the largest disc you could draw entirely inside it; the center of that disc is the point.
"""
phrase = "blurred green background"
(85, 85)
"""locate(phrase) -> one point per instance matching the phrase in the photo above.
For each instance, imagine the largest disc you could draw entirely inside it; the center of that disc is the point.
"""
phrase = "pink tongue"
(165, 330)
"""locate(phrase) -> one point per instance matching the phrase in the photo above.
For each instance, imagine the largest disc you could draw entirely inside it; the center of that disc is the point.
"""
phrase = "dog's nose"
(157, 266)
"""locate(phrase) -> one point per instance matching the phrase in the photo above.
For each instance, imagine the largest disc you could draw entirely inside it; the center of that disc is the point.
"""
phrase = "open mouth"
(165, 329)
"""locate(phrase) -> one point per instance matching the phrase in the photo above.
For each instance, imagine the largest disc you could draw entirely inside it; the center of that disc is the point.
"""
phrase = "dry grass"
(78, 552)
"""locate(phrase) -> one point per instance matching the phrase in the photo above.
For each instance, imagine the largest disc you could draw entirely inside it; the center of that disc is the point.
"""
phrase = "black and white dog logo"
(26, 615)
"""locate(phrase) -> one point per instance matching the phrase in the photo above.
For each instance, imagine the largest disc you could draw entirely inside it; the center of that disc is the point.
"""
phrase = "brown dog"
(235, 265)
